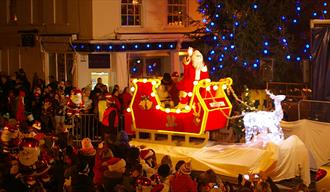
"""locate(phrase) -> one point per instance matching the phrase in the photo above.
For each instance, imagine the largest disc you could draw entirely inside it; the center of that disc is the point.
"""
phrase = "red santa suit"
(194, 70)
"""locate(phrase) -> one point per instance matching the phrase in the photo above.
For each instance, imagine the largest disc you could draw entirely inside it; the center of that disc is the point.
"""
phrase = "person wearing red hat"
(183, 177)
(148, 162)
(10, 137)
(110, 117)
(113, 177)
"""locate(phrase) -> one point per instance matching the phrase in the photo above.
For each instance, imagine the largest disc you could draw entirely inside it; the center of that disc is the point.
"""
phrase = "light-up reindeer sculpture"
(266, 123)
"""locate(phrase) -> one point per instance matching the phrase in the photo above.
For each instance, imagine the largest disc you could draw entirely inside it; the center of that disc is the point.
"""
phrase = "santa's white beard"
(197, 64)
(28, 156)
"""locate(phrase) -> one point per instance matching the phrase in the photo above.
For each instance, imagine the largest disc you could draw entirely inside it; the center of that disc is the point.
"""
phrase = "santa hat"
(29, 142)
(185, 168)
(77, 92)
(146, 153)
(116, 164)
(37, 125)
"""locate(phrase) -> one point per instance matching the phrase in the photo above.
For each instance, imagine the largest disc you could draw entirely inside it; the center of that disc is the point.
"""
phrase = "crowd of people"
(38, 154)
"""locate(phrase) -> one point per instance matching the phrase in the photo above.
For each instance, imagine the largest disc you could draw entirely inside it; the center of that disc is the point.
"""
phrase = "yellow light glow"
(208, 80)
(224, 86)
(187, 107)
(153, 94)
(167, 110)
(157, 107)
(132, 89)
(189, 94)
(128, 109)
(195, 82)
(208, 88)
(144, 80)
(178, 111)
(153, 82)
(135, 80)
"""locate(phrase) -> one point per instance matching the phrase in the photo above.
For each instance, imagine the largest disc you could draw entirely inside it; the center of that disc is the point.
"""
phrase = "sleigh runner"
(186, 124)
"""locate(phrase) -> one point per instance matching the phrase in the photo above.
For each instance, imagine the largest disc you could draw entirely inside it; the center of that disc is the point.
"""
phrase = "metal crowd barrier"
(85, 125)
(314, 110)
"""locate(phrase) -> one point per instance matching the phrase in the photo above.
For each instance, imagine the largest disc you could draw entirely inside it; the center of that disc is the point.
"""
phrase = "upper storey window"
(177, 12)
(131, 12)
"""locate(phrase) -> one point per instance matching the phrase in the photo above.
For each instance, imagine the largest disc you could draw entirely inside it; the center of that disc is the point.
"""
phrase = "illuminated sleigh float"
(207, 110)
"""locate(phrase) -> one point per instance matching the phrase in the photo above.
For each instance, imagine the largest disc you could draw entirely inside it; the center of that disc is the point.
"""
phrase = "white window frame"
(171, 14)
(136, 4)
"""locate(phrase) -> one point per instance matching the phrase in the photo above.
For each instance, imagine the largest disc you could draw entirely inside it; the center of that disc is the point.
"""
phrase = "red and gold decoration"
(204, 111)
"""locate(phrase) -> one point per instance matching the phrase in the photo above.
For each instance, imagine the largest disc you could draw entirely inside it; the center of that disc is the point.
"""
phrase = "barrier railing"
(85, 125)
(314, 110)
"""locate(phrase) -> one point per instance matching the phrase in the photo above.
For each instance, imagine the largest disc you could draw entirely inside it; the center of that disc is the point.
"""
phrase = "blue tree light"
(232, 46)
(266, 43)
(325, 4)
(216, 15)
(209, 58)
(255, 6)
(123, 46)
(288, 57)
(235, 58)
(215, 38)
(213, 68)
(110, 47)
(148, 45)
(283, 18)
(255, 65)
(220, 66)
(325, 12)
(298, 8)
(294, 21)
(212, 24)
(298, 58)
(160, 46)
(136, 46)
(212, 52)
(245, 64)
(220, 59)
(231, 35)
(236, 23)
(314, 14)
(204, 20)
(266, 51)
(225, 48)
(307, 46)
(223, 37)
(171, 46)
(98, 47)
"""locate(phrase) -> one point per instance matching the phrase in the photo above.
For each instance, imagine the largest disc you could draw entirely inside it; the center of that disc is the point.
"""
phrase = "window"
(100, 61)
(177, 15)
(148, 66)
(131, 12)
(60, 66)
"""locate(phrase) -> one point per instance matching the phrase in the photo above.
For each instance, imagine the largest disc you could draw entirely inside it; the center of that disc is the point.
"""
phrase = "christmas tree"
(238, 36)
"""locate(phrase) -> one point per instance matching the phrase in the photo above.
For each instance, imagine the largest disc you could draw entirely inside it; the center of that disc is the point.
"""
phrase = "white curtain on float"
(121, 67)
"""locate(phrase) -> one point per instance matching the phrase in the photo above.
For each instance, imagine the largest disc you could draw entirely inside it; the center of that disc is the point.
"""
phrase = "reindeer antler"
(269, 93)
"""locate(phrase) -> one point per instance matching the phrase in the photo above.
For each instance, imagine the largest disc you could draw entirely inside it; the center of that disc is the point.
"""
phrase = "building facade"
(81, 40)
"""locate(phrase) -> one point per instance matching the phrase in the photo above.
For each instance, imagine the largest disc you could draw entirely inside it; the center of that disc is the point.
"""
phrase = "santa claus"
(194, 70)
(75, 103)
